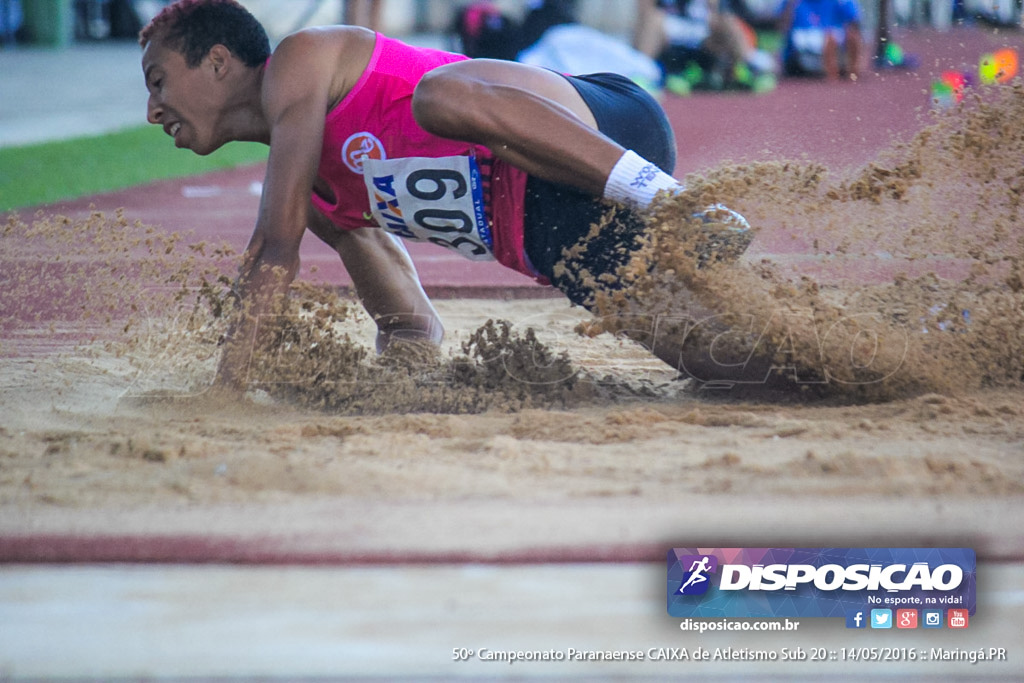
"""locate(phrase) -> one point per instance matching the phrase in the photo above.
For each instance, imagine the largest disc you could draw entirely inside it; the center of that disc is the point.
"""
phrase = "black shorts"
(558, 216)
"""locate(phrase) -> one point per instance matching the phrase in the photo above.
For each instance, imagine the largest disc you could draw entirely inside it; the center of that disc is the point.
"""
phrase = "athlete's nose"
(154, 112)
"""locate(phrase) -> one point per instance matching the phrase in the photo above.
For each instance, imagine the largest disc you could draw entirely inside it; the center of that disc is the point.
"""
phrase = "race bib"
(431, 200)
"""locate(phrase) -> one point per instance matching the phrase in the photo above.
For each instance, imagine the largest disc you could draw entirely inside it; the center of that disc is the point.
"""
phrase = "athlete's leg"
(535, 119)
(530, 117)
(557, 217)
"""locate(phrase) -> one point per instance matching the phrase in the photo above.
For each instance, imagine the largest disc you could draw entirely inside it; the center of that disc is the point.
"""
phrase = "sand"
(83, 433)
(76, 434)
(896, 325)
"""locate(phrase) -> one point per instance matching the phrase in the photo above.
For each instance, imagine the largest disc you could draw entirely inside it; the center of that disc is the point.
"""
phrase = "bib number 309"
(431, 200)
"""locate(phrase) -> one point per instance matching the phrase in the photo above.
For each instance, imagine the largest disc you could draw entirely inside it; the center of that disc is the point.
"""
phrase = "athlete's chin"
(198, 148)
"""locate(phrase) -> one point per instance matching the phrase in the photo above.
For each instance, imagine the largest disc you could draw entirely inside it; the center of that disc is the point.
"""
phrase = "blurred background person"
(363, 13)
(823, 39)
(551, 36)
(701, 44)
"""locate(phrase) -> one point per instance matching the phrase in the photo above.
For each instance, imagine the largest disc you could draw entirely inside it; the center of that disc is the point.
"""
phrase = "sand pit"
(888, 297)
(88, 453)
(79, 433)
(108, 430)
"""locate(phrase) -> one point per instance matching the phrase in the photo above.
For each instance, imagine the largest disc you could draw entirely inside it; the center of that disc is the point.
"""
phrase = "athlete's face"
(182, 100)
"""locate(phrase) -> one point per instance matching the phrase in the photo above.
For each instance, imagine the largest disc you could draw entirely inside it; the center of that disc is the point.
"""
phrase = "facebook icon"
(856, 619)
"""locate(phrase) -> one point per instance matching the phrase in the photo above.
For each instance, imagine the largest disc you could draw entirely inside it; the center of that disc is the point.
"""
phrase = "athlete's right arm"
(296, 93)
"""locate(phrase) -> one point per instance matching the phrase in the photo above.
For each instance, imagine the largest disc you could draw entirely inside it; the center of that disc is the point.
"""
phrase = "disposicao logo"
(818, 582)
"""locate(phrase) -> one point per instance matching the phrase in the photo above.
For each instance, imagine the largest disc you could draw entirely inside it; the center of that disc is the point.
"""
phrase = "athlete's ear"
(220, 58)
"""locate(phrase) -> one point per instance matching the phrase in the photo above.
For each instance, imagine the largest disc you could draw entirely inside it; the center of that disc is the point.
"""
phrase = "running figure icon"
(697, 571)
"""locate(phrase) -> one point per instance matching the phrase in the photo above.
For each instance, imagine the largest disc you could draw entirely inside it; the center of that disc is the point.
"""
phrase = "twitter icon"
(881, 618)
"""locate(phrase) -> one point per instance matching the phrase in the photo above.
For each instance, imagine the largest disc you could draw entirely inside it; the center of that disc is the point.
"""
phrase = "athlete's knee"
(441, 102)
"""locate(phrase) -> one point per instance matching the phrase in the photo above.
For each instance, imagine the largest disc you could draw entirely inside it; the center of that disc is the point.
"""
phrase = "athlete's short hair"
(192, 27)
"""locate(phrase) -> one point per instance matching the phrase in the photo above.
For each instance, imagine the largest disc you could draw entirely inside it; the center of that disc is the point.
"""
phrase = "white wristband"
(635, 181)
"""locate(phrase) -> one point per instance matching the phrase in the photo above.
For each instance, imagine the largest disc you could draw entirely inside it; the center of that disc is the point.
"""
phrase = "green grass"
(53, 171)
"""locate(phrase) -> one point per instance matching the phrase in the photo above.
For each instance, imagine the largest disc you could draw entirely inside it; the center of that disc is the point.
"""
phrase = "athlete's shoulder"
(326, 48)
(327, 59)
(327, 39)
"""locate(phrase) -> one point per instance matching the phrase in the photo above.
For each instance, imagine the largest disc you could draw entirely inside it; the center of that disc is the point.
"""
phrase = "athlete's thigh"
(534, 79)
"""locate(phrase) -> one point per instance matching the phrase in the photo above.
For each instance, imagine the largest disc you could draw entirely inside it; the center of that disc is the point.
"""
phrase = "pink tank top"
(375, 121)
